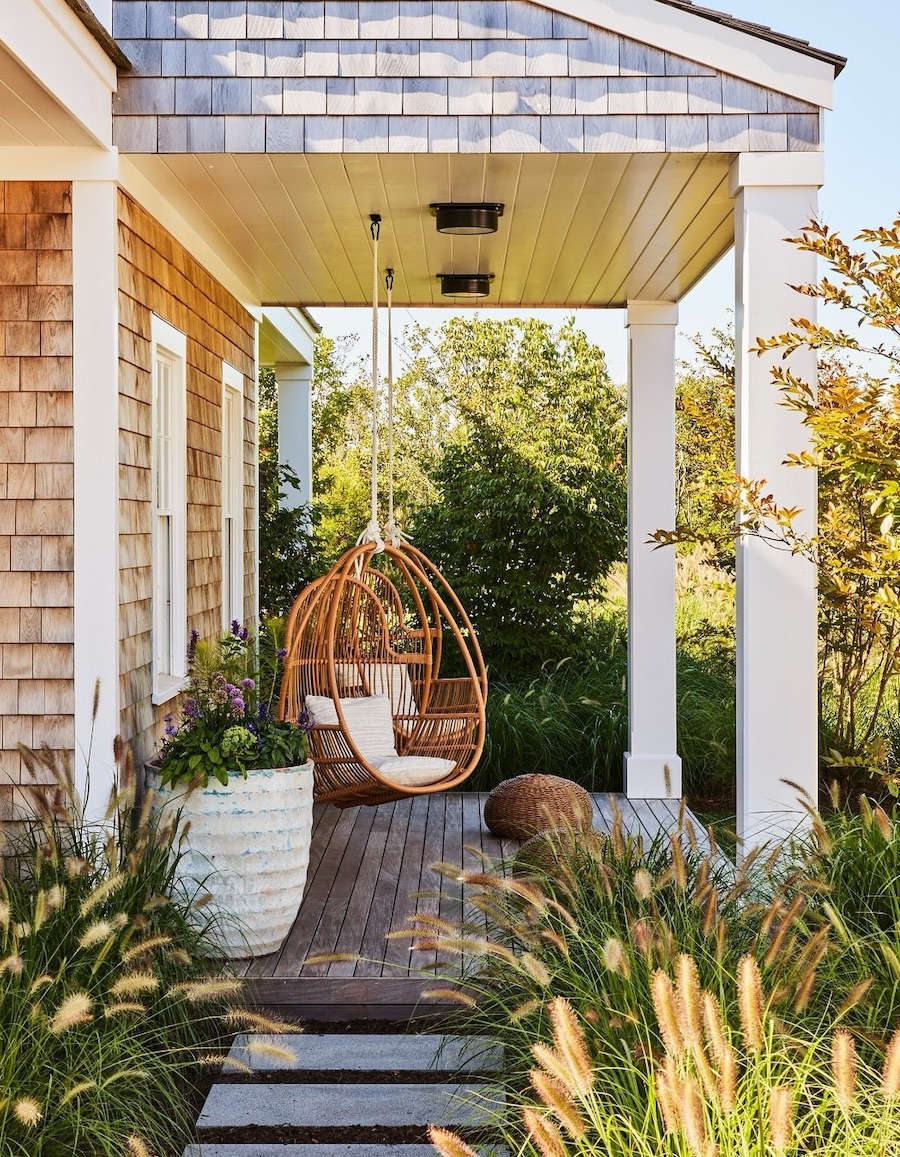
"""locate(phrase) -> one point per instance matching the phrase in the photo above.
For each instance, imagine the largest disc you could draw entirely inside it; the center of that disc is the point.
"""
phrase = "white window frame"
(168, 634)
(232, 495)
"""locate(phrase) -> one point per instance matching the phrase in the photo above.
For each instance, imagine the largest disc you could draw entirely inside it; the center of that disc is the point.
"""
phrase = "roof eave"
(100, 34)
(746, 51)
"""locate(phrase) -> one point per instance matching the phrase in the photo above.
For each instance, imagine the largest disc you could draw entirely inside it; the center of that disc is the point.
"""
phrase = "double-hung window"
(168, 468)
(232, 495)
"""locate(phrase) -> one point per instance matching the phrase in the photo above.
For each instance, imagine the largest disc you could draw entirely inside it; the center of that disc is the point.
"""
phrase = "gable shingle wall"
(423, 75)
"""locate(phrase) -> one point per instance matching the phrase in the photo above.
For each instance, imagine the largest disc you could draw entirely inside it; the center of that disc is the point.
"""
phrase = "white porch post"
(96, 434)
(777, 734)
(652, 765)
(295, 426)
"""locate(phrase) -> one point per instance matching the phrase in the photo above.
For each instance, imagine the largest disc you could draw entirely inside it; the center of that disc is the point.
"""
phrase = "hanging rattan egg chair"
(383, 656)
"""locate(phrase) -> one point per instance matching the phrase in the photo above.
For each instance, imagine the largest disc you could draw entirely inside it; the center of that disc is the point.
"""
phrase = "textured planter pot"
(248, 846)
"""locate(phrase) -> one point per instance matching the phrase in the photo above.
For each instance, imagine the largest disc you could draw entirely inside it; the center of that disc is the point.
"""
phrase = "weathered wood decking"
(370, 871)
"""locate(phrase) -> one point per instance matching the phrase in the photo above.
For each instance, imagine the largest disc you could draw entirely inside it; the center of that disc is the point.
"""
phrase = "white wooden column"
(295, 427)
(96, 427)
(652, 765)
(777, 732)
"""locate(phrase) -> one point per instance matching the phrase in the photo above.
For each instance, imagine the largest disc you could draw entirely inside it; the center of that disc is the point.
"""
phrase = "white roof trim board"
(750, 52)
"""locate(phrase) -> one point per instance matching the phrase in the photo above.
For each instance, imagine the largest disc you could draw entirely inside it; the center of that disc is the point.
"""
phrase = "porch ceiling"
(578, 230)
(29, 115)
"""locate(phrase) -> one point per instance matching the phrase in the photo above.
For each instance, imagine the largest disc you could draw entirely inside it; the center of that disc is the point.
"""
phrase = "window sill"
(167, 687)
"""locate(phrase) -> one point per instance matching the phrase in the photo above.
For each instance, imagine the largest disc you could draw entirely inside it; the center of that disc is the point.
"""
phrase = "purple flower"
(244, 634)
(282, 654)
(230, 690)
(192, 644)
(237, 706)
(236, 628)
(190, 708)
(304, 721)
(264, 711)
(171, 729)
(248, 683)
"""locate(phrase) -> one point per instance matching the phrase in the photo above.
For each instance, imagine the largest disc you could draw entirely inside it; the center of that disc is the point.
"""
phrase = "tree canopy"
(509, 470)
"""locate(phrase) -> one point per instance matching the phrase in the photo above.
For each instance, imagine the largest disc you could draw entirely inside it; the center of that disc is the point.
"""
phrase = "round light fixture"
(467, 219)
(466, 284)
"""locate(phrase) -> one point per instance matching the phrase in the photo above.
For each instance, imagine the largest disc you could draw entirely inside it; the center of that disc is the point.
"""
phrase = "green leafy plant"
(227, 724)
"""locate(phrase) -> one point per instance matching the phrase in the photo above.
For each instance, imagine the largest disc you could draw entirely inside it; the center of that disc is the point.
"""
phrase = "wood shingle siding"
(157, 275)
(423, 75)
(36, 478)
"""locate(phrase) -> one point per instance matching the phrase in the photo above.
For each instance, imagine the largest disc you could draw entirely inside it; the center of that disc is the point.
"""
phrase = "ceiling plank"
(626, 277)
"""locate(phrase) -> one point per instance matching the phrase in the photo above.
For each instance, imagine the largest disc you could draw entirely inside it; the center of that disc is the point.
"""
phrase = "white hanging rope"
(372, 533)
(392, 532)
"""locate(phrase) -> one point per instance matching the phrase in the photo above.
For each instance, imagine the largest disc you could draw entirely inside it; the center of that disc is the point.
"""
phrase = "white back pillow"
(367, 720)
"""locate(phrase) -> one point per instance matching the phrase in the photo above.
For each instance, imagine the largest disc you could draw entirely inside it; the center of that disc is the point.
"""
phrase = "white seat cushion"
(367, 720)
(413, 770)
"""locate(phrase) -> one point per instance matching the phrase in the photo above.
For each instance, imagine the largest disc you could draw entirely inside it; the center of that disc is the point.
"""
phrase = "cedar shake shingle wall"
(157, 275)
(36, 477)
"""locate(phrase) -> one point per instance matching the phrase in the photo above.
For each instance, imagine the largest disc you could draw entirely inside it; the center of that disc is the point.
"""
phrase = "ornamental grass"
(111, 995)
(652, 1000)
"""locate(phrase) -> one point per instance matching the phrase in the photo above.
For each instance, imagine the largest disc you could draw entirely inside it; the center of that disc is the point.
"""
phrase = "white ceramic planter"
(248, 846)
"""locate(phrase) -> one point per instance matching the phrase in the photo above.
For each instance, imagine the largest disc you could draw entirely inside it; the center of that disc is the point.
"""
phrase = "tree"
(853, 417)
(530, 505)
(704, 432)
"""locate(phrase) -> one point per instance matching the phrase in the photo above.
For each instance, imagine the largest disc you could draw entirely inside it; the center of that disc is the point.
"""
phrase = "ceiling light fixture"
(465, 284)
(467, 219)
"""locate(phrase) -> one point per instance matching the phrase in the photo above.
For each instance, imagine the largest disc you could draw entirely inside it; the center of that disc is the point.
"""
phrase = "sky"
(862, 148)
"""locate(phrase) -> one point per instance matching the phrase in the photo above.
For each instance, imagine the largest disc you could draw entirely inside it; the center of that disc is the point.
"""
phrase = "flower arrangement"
(226, 723)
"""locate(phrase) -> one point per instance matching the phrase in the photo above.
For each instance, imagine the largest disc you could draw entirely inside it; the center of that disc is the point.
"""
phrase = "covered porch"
(371, 873)
(631, 145)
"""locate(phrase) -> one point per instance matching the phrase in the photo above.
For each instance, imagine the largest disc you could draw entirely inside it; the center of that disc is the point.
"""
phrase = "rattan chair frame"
(351, 633)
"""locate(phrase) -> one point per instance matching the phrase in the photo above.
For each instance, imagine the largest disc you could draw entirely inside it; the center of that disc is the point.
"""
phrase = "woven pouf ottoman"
(558, 853)
(521, 807)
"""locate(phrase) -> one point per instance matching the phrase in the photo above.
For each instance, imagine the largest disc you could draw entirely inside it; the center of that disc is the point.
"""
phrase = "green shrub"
(530, 510)
(572, 718)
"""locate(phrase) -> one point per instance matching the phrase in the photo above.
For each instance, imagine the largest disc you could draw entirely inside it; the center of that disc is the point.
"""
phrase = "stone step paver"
(347, 1106)
(359, 1052)
(352, 1105)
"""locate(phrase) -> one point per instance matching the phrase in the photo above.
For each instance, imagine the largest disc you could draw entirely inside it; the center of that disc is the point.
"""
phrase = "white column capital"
(286, 372)
(776, 170)
(651, 313)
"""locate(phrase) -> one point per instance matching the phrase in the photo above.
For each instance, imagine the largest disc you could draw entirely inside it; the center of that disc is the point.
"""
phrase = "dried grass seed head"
(666, 1010)
(890, 1074)
(750, 1003)
(448, 1144)
(781, 1117)
(544, 1134)
(843, 1067)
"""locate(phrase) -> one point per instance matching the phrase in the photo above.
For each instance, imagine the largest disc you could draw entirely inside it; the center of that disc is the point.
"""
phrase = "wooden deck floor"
(370, 871)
